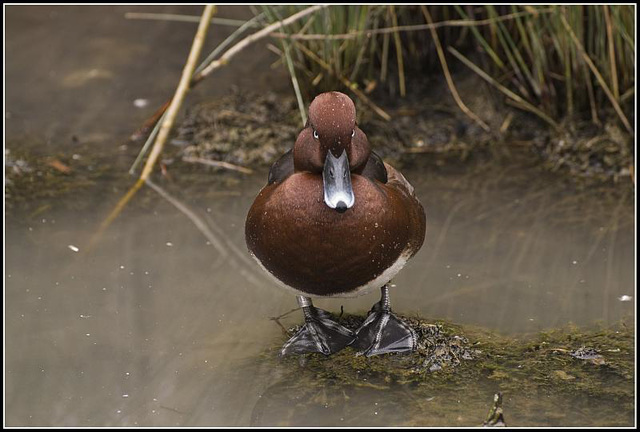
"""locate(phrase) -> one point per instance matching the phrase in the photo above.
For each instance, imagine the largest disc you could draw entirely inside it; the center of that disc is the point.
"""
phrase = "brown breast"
(321, 252)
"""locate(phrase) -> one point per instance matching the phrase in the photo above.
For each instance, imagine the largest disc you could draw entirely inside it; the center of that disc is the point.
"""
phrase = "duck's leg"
(318, 334)
(383, 332)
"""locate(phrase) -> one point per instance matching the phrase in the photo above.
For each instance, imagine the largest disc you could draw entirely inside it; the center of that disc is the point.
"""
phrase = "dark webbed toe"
(319, 334)
(383, 332)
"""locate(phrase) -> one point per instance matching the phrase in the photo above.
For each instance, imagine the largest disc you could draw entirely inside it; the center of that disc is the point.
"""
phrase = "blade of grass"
(385, 56)
(294, 81)
(598, 76)
(292, 70)
(592, 98)
(612, 54)
(506, 36)
(398, 43)
(481, 40)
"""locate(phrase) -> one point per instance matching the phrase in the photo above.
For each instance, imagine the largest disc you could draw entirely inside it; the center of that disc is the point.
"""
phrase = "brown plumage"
(314, 249)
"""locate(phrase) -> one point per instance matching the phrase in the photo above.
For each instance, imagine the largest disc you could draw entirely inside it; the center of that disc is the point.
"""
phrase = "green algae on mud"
(35, 183)
(566, 376)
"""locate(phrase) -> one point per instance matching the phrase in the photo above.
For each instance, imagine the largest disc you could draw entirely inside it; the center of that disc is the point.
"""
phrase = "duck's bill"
(336, 177)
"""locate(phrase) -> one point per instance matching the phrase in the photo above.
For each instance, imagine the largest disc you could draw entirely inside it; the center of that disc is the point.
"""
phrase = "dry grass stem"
(598, 76)
(447, 74)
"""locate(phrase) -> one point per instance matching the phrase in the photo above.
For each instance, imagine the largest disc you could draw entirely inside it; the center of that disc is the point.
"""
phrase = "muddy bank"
(252, 130)
(452, 377)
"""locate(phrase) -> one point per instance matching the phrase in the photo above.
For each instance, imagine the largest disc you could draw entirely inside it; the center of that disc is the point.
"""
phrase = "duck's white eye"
(315, 134)
(353, 133)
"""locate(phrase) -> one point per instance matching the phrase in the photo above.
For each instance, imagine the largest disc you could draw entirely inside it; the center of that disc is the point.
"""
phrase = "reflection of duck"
(335, 220)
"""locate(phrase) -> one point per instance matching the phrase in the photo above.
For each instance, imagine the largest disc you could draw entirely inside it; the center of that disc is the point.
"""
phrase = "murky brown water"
(162, 321)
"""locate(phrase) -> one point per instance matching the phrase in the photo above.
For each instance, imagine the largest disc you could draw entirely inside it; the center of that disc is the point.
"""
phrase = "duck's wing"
(375, 168)
(397, 180)
(417, 217)
(282, 168)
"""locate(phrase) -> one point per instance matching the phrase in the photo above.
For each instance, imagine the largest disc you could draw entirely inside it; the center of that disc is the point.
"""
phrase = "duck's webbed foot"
(318, 334)
(383, 332)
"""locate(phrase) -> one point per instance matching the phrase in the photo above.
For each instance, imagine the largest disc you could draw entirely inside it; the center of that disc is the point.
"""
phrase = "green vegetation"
(552, 61)
(539, 376)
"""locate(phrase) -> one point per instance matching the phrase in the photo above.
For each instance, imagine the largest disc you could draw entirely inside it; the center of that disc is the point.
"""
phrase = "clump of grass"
(346, 39)
(571, 60)
(553, 61)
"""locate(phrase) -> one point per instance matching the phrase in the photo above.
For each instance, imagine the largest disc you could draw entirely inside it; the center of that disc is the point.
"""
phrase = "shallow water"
(165, 320)
(151, 325)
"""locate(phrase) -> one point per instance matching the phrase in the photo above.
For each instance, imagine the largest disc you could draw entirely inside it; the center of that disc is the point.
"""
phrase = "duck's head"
(331, 144)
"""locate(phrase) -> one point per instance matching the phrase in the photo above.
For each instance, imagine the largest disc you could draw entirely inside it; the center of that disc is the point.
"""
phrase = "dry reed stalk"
(612, 53)
(396, 38)
(447, 74)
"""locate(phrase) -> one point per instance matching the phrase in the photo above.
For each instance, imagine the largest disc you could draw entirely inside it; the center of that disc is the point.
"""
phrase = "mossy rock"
(544, 380)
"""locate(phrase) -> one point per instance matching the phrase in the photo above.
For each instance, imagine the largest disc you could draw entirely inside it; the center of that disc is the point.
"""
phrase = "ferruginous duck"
(334, 220)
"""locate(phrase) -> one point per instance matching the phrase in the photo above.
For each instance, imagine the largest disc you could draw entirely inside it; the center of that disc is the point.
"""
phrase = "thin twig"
(218, 164)
(626, 95)
(150, 123)
(251, 39)
(594, 70)
(447, 74)
(277, 319)
(524, 104)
